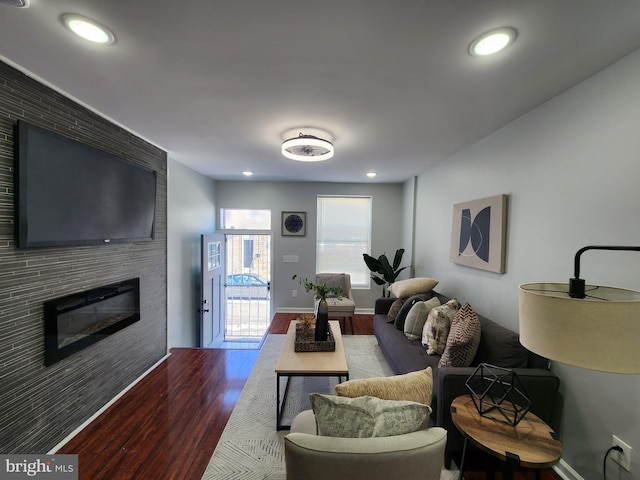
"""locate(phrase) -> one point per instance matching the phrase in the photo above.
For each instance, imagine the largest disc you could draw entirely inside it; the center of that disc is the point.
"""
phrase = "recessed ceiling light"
(88, 29)
(247, 173)
(371, 174)
(492, 42)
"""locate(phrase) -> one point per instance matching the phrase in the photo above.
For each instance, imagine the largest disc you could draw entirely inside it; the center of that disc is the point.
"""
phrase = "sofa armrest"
(383, 305)
(540, 385)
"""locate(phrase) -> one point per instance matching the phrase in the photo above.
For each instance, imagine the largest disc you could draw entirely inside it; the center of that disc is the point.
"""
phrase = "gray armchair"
(417, 455)
(343, 307)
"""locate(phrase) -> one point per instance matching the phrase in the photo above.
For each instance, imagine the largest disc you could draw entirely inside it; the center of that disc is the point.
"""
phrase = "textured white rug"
(250, 447)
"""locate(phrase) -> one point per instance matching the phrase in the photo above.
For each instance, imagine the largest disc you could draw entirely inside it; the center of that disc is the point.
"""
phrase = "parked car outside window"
(247, 285)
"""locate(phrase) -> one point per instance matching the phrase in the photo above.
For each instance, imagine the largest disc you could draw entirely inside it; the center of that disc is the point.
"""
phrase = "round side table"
(530, 444)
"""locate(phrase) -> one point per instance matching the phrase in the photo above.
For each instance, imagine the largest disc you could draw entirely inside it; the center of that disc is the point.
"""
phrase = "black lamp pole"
(576, 284)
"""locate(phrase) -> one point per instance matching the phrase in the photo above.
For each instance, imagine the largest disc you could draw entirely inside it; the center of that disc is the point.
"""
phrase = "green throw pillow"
(365, 417)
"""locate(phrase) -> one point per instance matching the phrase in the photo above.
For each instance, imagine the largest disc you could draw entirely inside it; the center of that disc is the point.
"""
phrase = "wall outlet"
(294, 293)
(622, 458)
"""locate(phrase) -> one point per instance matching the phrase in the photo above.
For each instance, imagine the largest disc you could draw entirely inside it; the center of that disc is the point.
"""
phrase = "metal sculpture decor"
(498, 394)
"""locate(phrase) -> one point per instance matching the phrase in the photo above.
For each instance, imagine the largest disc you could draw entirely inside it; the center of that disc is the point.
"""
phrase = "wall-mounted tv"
(72, 194)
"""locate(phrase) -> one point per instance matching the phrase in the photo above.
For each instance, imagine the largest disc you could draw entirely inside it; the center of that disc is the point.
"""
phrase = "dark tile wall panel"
(39, 405)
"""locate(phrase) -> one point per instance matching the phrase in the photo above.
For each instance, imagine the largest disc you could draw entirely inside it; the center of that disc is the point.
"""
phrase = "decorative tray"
(306, 342)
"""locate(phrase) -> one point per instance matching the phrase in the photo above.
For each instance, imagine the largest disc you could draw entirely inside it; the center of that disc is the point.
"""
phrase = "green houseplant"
(387, 272)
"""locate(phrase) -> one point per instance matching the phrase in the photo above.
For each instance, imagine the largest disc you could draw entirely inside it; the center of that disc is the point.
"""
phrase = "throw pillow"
(416, 318)
(412, 386)
(411, 286)
(436, 328)
(364, 417)
(406, 307)
(394, 309)
(463, 340)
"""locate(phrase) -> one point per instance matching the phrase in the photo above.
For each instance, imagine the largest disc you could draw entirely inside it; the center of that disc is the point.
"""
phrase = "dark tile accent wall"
(39, 405)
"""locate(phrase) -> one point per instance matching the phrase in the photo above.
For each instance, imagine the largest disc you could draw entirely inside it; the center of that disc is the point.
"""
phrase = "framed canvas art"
(478, 233)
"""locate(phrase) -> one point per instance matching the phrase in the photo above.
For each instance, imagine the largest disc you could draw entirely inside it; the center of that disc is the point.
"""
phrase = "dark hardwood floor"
(167, 426)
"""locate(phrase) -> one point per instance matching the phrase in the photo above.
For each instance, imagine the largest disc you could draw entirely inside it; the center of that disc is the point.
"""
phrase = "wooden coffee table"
(529, 444)
(307, 364)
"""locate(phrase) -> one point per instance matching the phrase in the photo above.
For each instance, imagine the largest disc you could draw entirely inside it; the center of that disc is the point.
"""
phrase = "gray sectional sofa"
(499, 346)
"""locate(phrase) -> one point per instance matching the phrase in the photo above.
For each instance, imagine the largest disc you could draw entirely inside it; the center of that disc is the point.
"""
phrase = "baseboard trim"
(564, 470)
(107, 405)
(359, 311)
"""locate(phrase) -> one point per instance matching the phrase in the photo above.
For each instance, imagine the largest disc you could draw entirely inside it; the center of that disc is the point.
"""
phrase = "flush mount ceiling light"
(492, 42)
(247, 173)
(307, 148)
(88, 29)
(371, 174)
(15, 3)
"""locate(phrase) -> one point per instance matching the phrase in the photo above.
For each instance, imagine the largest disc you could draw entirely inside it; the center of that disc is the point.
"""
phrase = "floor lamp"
(588, 326)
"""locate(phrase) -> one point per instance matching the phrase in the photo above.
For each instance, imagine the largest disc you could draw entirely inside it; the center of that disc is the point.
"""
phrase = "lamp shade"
(599, 332)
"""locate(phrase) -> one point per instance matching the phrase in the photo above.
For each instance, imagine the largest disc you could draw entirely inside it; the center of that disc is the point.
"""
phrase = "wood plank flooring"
(167, 426)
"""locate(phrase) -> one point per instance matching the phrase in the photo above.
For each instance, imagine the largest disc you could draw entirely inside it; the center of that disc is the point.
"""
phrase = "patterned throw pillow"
(416, 318)
(395, 308)
(437, 325)
(412, 386)
(463, 340)
(365, 417)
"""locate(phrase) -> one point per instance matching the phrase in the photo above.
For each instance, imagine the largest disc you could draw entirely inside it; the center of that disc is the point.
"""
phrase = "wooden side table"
(529, 444)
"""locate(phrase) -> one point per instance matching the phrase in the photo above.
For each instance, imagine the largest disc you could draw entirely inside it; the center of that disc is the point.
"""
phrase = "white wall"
(295, 196)
(191, 212)
(571, 170)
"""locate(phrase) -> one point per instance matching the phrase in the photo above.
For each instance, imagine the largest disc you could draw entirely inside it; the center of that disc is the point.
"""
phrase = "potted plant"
(387, 271)
(320, 292)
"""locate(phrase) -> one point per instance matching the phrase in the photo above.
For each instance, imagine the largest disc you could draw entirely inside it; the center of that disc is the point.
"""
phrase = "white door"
(212, 301)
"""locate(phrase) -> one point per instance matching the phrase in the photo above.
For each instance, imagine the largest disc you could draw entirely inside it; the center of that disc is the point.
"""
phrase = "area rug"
(250, 447)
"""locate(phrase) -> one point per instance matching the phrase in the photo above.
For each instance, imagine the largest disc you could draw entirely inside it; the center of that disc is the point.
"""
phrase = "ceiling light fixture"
(88, 29)
(247, 173)
(15, 3)
(371, 174)
(492, 42)
(307, 148)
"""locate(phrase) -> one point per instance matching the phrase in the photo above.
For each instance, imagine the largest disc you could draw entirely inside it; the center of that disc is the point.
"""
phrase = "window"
(245, 219)
(343, 235)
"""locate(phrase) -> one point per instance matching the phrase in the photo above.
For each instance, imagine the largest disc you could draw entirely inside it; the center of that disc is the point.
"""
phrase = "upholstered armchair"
(343, 307)
(416, 455)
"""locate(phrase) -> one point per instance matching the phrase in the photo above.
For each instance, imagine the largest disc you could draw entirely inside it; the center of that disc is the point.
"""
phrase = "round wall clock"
(293, 223)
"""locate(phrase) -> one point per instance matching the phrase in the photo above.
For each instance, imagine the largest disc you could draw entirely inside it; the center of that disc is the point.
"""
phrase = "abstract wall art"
(478, 233)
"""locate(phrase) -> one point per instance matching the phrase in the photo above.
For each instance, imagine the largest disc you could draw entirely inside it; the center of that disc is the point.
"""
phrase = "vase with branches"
(320, 292)
(387, 271)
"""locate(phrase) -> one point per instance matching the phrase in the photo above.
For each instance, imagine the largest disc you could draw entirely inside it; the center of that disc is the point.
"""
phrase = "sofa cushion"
(364, 417)
(395, 308)
(411, 286)
(412, 386)
(463, 339)
(417, 317)
(436, 328)
(500, 346)
(406, 307)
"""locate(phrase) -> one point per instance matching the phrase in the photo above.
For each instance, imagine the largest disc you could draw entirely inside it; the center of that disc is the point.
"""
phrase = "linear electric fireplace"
(76, 321)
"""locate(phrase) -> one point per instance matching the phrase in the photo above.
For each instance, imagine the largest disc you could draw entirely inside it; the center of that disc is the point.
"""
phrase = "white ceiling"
(218, 83)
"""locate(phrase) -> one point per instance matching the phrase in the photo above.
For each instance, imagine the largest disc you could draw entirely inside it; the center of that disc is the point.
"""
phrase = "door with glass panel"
(212, 300)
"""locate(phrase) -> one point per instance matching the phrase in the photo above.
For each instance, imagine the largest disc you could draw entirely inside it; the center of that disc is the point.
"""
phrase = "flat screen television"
(72, 194)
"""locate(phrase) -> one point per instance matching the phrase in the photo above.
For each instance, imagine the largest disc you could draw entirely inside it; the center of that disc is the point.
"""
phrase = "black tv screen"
(69, 193)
